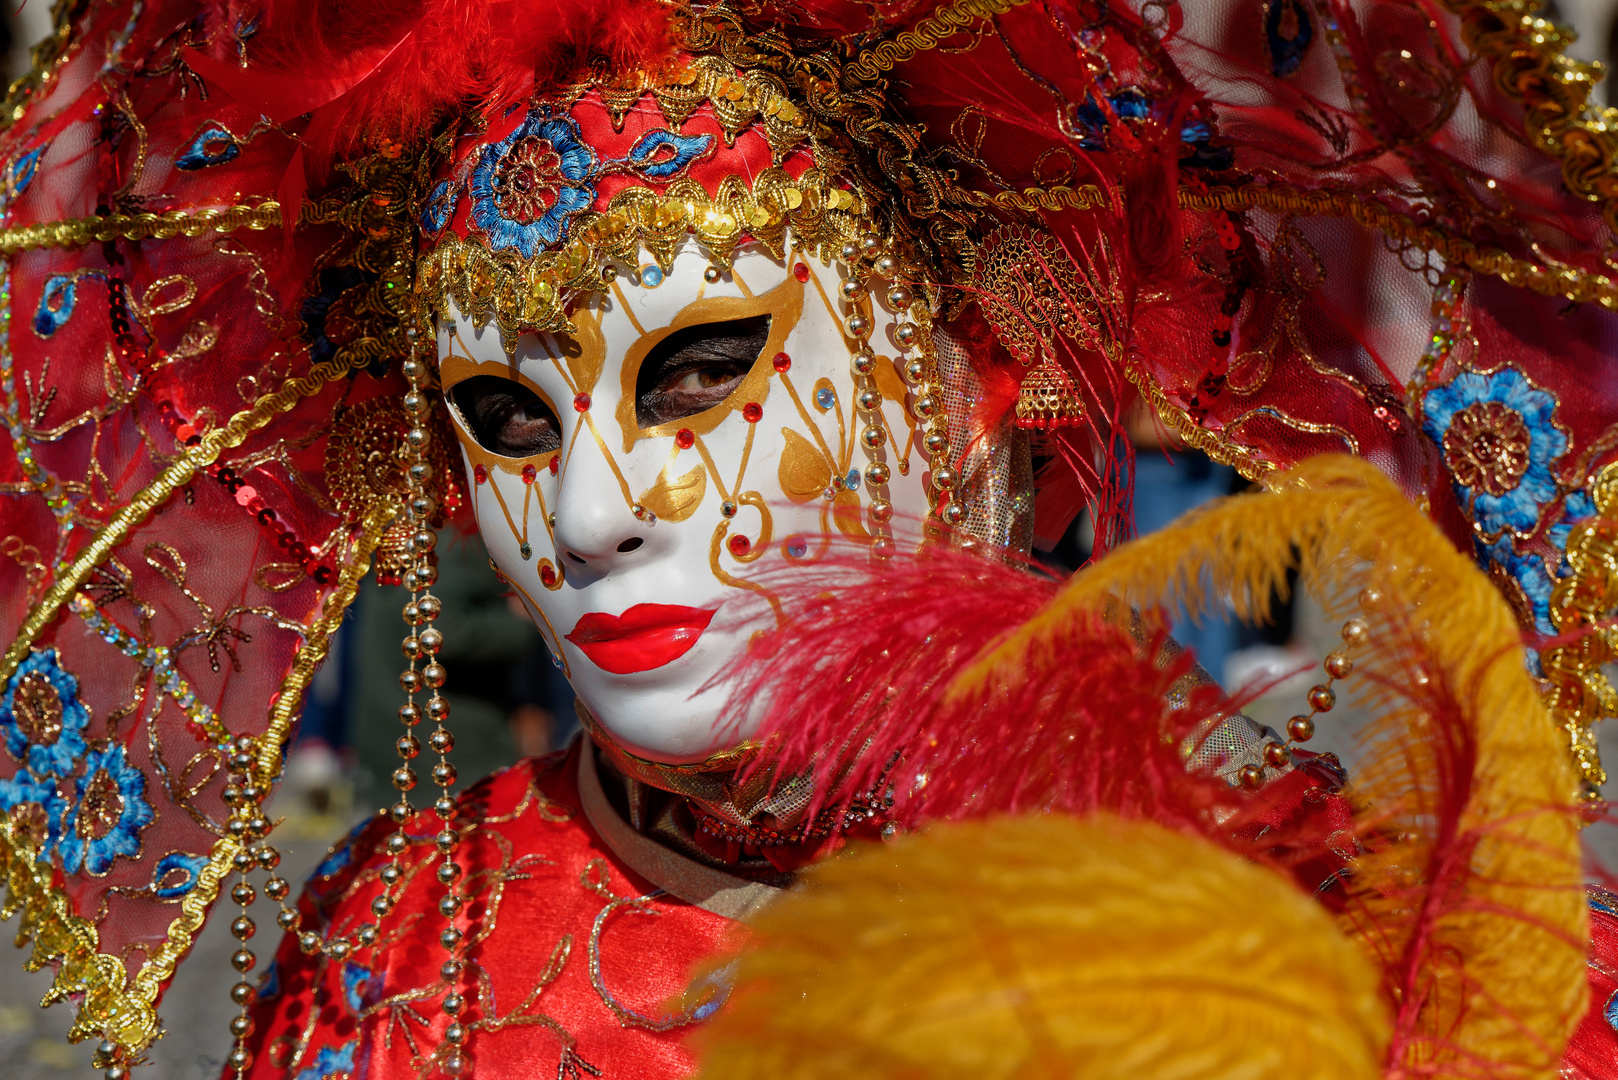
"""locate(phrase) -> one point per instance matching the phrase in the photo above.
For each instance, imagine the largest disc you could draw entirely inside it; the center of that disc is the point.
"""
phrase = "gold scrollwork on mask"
(676, 498)
(783, 304)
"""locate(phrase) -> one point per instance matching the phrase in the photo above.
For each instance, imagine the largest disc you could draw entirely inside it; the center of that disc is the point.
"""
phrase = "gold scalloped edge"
(521, 295)
(1554, 89)
(1578, 691)
(1217, 445)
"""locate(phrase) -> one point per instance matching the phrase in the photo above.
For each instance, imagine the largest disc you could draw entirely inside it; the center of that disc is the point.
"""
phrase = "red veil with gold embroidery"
(1380, 228)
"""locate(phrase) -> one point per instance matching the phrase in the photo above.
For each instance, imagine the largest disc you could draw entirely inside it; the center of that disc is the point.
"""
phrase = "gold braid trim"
(176, 476)
(938, 27)
(77, 232)
(1580, 693)
(317, 641)
(128, 1017)
(1555, 91)
(1568, 282)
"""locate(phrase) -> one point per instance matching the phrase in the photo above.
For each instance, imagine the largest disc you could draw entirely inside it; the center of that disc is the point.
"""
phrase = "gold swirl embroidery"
(1579, 692)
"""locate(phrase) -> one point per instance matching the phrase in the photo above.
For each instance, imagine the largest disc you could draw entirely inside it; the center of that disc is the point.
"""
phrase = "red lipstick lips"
(646, 636)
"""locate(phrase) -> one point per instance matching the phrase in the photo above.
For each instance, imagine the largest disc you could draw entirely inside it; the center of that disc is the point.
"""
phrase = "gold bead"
(1250, 776)
(877, 473)
(712, 274)
(1301, 728)
(1338, 665)
(1371, 598)
(1322, 698)
(1356, 632)
(1277, 756)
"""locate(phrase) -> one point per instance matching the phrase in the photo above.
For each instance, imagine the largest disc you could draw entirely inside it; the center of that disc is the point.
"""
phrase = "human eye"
(505, 417)
(696, 368)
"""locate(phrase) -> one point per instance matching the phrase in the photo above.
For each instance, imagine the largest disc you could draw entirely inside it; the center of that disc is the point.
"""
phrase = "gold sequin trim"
(520, 294)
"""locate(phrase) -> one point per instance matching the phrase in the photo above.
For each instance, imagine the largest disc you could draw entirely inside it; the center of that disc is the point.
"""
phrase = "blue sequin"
(176, 874)
(797, 547)
(49, 707)
(92, 846)
(651, 275)
(1610, 1012)
(55, 304)
(825, 397)
(213, 145)
(1288, 30)
(852, 480)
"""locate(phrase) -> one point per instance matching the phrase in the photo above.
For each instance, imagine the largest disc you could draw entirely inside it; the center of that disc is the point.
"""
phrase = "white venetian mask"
(634, 477)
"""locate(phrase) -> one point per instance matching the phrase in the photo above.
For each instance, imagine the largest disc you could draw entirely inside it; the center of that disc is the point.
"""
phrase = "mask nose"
(595, 528)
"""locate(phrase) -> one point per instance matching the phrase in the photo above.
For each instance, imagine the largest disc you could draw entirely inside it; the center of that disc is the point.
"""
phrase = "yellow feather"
(1501, 979)
(1049, 947)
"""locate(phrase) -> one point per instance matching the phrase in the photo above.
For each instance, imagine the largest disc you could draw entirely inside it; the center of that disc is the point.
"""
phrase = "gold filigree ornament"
(1047, 399)
(368, 463)
(1585, 603)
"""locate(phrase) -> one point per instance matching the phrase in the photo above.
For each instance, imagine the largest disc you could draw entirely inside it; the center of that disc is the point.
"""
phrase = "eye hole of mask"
(505, 417)
(696, 368)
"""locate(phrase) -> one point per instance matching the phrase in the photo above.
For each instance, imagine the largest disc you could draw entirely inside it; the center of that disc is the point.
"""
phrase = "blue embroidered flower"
(34, 806)
(527, 187)
(331, 1063)
(176, 874)
(42, 718)
(212, 145)
(55, 304)
(439, 209)
(108, 813)
(1499, 441)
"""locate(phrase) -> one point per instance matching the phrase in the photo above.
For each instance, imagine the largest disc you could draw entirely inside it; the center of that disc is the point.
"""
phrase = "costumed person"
(761, 343)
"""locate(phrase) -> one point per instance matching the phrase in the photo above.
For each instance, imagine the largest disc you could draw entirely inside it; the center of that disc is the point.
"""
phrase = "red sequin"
(556, 465)
(782, 361)
(739, 545)
(685, 438)
(528, 473)
(480, 474)
(547, 575)
(581, 402)
(752, 412)
(800, 271)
